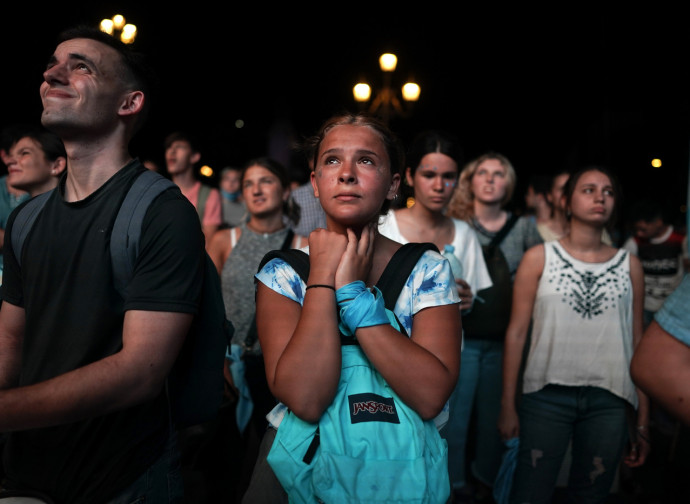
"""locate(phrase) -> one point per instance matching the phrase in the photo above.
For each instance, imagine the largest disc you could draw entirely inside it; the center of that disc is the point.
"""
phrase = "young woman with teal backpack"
(359, 385)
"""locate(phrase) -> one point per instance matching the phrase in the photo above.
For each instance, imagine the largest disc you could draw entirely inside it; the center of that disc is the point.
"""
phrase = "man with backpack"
(83, 365)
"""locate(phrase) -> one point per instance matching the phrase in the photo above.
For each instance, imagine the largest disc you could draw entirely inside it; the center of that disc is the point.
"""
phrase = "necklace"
(263, 232)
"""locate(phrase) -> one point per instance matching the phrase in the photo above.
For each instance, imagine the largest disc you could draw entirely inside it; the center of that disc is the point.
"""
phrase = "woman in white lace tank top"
(584, 300)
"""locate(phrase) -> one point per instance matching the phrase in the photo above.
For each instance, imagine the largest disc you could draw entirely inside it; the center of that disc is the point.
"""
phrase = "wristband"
(313, 286)
(365, 309)
(348, 292)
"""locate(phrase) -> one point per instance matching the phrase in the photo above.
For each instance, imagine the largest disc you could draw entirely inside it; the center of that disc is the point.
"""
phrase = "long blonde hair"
(461, 205)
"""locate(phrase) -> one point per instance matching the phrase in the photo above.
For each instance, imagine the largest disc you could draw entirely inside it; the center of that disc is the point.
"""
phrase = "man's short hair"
(648, 210)
(182, 136)
(138, 74)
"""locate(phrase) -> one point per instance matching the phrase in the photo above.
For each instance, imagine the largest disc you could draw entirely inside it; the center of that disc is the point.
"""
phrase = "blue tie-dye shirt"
(430, 284)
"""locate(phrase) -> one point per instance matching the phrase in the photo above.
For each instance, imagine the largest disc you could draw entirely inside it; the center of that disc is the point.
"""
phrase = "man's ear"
(133, 103)
(58, 166)
(196, 156)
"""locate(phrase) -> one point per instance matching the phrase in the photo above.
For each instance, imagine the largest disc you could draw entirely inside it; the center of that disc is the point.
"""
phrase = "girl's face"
(592, 199)
(352, 176)
(434, 181)
(489, 182)
(262, 191)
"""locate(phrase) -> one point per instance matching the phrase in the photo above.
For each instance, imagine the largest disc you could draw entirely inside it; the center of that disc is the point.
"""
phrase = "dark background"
(547, 87)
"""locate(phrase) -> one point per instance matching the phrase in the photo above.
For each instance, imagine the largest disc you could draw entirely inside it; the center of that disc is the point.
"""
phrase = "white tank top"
(582, 324)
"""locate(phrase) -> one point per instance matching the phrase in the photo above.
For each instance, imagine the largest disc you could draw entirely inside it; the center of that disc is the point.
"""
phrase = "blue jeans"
(596, 422)
(481, 378)
(160, 484)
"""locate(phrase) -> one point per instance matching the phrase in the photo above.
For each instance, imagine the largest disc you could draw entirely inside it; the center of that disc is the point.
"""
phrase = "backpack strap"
(298, 259)
(24, 220)
(503, 232)
(124, 238)
(390, 283)
(398, 270)
(204, 191)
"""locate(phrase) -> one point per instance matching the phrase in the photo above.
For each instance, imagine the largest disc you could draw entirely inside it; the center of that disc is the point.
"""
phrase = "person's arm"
(640, 447)
(301, 344)
(661, 368)
(630, 245)
(524, 295)
(220, 247)
(12, 322)
(422, 369)
(135, 374)
(213, 215)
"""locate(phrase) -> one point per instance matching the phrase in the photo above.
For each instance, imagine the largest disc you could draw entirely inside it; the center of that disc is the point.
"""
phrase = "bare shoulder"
(219, 247)
(534, 256)
(220, 239)
(636, 270)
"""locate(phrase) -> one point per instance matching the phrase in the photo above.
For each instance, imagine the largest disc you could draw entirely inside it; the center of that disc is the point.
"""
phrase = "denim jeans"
(596, 422)
(160, 484)
(479, 388)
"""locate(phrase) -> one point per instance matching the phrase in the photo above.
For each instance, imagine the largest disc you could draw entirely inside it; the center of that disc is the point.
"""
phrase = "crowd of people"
(530, 338)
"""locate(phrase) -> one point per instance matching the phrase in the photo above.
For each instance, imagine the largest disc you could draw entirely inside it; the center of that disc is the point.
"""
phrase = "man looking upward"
(82, 368)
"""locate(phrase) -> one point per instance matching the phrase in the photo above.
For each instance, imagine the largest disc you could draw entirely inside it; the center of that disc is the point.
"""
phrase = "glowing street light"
(386, 101)
(117, 24)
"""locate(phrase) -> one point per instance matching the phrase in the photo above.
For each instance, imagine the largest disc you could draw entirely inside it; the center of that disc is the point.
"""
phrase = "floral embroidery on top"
(588, 293)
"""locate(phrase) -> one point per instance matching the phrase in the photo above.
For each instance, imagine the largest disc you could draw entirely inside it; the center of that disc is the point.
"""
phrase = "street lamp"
(127, 31)
(386, 101)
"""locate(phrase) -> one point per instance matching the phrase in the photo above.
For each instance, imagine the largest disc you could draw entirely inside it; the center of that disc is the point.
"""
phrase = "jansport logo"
(372, 408)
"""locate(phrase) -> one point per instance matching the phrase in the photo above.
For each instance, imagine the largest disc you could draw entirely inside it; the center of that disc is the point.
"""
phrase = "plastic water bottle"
(455, 265)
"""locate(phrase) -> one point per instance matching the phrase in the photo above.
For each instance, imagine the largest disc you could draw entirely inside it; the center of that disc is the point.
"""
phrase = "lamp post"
(386, 102)
(117, 24)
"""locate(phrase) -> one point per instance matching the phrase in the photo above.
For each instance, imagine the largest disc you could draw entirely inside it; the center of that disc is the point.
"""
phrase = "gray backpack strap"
(204, 192)
(124, 239)
(24, 220)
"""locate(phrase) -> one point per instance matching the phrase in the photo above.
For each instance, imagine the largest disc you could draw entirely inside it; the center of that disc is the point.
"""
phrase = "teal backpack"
(369, 446)
(195, 384)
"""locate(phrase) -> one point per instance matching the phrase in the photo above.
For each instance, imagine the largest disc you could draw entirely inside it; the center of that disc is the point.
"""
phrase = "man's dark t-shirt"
(74, 316)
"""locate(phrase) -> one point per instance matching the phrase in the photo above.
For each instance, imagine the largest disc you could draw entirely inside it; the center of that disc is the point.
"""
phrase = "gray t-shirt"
(522, 236)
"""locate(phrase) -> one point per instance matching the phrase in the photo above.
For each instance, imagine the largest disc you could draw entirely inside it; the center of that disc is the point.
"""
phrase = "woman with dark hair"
(583, 299)
(433, 166)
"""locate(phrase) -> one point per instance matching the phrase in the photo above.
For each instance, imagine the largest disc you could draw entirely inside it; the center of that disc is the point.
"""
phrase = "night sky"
(546, 87)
